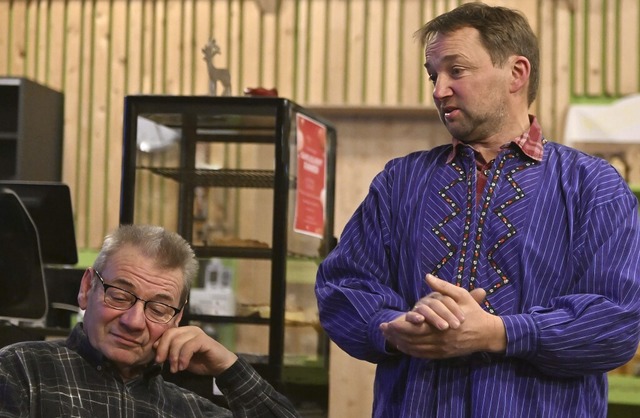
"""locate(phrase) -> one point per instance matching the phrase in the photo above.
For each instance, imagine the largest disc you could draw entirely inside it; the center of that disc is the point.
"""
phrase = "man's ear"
(520, 72)
(85, 287)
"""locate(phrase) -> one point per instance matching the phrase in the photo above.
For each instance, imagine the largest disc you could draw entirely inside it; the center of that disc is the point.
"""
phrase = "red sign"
(310, 193)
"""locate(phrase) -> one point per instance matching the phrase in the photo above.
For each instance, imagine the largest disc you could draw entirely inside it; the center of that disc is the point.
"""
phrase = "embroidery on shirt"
(511, 231)
(437, 230)
(473, 246)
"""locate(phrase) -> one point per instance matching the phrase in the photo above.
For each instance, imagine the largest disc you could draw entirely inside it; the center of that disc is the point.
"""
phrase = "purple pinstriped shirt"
(556, 245)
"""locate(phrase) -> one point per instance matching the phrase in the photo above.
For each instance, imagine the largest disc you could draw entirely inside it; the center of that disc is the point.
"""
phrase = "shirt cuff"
(239, 372)
(375, 335)
(522, 335)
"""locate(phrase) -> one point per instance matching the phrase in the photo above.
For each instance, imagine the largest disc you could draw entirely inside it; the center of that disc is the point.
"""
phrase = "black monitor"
(49, 205)
(23, 295)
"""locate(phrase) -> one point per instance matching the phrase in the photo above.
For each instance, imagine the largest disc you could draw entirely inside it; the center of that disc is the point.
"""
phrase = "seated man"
(133, 298)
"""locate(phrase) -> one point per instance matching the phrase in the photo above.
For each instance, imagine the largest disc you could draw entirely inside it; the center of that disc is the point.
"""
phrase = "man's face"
(469, 92)
(126, 337)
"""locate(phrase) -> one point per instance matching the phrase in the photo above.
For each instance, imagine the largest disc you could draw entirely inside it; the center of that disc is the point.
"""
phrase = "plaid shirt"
(71, 379)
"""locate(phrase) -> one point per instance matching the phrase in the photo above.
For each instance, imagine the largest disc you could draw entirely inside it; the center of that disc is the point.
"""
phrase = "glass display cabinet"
(249, 182)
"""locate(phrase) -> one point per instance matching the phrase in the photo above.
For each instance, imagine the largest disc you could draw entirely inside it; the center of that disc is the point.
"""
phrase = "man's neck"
(490, 147)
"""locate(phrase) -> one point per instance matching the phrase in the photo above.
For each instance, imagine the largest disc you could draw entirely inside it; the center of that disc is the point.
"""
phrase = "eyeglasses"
(123, 300)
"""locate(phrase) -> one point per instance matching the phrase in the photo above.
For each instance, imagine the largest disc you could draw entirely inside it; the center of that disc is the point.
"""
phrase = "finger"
(162, 347)
(185, 348)
(445, 306)
(437, 314)
(416, 341)
(174, 348)
(404, 331)
(447, 289)
(415, 317)
(479, 295)
(387, 334)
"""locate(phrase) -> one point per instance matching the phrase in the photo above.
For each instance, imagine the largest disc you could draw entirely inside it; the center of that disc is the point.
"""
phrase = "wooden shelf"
(375, 111)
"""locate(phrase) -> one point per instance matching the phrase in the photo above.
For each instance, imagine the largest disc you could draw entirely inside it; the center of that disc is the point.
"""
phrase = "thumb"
(478, 295)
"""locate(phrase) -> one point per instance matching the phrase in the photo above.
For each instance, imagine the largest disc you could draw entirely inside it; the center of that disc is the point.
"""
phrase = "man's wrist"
(497, 341)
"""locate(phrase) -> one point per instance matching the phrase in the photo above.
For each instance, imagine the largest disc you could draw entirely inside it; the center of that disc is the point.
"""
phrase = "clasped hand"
(449, 322)
(189, 348)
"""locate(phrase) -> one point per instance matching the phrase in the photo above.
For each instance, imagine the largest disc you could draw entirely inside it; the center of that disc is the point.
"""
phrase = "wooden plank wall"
(316, 52)
(321, 53)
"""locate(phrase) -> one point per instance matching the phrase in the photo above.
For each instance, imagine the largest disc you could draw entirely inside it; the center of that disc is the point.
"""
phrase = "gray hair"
(168, 250)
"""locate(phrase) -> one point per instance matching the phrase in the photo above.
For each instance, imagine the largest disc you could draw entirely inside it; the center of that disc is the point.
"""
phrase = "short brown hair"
(504, 32)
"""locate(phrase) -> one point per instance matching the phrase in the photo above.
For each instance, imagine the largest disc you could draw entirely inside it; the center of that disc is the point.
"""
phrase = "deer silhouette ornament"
(221, 75)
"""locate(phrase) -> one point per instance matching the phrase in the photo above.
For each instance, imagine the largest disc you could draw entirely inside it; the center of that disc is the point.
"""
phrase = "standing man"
(110, 365)
(495, 276)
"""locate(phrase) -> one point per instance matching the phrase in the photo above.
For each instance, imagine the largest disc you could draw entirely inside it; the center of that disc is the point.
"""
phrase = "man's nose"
(441, 88)
(134, 316)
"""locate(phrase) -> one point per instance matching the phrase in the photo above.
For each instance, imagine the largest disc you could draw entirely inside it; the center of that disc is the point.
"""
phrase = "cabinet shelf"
(230, 120)
(236, 137)
(221, 251)
(224, 251)
(8, 136)
(219, 319)
(260, 179)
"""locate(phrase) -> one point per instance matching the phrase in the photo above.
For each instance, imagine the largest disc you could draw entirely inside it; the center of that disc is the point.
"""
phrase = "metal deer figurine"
(210, 50)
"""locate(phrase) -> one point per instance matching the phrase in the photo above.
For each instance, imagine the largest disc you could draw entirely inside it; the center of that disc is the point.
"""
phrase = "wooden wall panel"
(327, 53)
(269, 49)
(17, 38)
(554, 18)
(355, 46)
(628, 47)
(201, 32)
(594, 47)
(336, 56)
(609, 42)
(5, 33)
(316, 52)
(55, 46)
(285, 64)
(559, 76)
(411, 78)
(81, 74)
(117, 67)
(315, 45)
(375, 57)
(100, 144)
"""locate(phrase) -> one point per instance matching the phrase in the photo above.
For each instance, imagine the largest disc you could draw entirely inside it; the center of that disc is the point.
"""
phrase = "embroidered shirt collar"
(531, 142)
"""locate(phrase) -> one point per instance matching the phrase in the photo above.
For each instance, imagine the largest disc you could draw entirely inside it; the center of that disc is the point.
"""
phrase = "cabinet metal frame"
(188, 176)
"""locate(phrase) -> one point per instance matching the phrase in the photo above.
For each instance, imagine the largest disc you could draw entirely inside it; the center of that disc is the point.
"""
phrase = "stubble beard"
(476, 127)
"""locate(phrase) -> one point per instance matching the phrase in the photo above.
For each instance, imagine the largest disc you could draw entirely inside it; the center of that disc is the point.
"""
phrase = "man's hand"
(189, 348)
(440, 308)
(449, 322)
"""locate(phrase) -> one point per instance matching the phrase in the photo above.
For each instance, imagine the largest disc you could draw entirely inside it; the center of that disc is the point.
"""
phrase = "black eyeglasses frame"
(136, 299)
